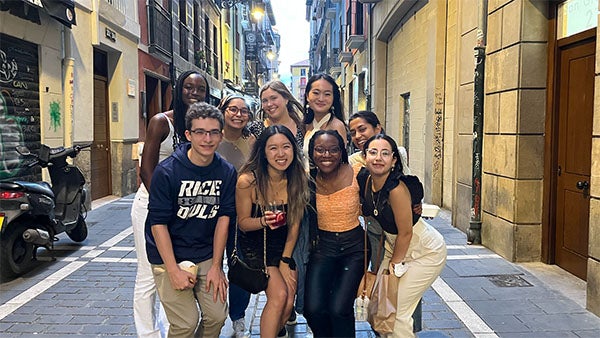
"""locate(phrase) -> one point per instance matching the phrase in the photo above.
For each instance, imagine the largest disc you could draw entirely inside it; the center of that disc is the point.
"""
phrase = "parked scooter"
(33, 213)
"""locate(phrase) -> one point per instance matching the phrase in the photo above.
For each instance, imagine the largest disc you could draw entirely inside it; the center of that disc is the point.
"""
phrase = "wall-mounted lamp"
(257, 12)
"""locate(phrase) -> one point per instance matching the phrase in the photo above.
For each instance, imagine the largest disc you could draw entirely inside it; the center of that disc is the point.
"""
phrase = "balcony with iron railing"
(122, 14)
(334, 66)
(199, 54)
(160, 41)
(120, 5)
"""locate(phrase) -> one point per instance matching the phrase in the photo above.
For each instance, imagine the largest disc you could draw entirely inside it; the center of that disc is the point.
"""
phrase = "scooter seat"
(36, 187)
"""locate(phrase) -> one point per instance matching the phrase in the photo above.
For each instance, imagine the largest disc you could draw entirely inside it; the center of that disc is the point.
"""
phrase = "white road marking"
(461, 257)
(471, 320)
(114, 260)
(27, 295)
(72, 247)
(116, 239)
(465, 247)
(121, 248)
(93, 253)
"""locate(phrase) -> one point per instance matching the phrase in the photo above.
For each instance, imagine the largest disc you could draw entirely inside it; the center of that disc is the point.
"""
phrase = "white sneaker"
(239, 329)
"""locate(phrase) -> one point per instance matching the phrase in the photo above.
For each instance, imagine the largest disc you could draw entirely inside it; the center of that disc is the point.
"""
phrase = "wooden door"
(100, 153)
(575, 116)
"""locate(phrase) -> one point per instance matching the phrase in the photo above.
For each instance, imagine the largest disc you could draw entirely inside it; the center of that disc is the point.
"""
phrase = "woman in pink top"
(336, 262)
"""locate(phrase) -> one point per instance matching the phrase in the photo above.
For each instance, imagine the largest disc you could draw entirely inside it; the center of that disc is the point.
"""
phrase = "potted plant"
(199, 59)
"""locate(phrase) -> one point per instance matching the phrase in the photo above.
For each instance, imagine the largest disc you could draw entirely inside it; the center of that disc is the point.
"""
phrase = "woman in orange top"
(336, 262)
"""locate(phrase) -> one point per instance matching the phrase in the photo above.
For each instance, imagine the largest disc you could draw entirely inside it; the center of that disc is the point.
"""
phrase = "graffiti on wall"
(54, 115)
(19, 105)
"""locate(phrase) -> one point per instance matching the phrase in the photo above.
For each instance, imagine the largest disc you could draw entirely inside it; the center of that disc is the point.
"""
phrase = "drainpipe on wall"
(474, 232)
(370, 67)
(68, 71)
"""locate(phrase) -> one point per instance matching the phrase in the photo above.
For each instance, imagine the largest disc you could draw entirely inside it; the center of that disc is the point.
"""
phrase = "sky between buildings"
(290, 17)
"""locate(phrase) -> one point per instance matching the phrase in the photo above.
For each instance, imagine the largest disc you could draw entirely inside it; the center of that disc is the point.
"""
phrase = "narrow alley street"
(88, 291)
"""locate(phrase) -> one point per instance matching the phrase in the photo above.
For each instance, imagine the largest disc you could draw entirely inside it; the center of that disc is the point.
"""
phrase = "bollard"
(418, 316)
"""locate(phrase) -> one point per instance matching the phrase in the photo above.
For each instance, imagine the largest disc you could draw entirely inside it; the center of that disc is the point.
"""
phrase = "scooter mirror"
(23, 150)
(44, 154)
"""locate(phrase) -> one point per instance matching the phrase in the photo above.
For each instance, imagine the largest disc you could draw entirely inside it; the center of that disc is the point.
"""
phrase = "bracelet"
(260, 220)
(289, 261)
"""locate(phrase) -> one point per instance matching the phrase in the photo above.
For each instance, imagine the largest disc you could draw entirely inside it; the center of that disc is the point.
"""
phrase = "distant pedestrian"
(191, 204)
(414, 251)
(337, 260)
(165, 132)
(235, 149)
(273, 176)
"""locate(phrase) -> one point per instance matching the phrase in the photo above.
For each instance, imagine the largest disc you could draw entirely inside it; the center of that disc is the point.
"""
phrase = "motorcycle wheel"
(79, 232)
(16, 255)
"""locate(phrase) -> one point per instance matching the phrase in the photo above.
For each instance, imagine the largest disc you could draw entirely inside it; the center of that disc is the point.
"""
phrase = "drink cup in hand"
(189, 267)
(277, 208)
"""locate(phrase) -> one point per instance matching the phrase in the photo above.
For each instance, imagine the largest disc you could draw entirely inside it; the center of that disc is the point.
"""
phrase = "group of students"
(210, 173)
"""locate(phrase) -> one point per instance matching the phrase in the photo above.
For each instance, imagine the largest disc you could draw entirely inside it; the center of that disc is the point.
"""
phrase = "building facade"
(86, 81)
(300, 71)
(497, 105)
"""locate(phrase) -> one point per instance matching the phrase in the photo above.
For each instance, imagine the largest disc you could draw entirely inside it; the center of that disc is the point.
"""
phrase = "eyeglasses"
(385, 154)
(234, 110)
(331, 151)
(211, 133)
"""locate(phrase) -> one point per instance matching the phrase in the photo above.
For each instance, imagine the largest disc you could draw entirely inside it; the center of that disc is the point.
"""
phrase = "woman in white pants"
(414, 251)
(162, 136)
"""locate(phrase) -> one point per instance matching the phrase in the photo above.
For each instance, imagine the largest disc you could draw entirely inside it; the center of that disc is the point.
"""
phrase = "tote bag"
(382, 306)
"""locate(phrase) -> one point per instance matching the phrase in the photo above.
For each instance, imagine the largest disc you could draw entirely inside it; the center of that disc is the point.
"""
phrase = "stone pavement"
(87, 291)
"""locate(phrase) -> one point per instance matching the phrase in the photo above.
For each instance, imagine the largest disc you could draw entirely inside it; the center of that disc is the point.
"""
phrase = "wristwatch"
(289, 261)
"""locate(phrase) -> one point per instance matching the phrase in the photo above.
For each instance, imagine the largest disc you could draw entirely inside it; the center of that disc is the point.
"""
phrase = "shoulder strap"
(258, 205)
(324, 120)
(368, 197)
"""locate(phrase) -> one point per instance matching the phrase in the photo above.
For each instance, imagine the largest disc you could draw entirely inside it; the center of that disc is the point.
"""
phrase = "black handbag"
(241, 274)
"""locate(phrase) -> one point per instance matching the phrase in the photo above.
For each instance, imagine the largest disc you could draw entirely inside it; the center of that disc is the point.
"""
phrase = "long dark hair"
(396, 153)
(297, 181)
(224, 104)
(311, 148)
(336, 108)
(179, 108)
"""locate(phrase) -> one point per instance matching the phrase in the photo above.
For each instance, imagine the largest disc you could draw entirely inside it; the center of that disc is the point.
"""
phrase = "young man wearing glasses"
(192, 199)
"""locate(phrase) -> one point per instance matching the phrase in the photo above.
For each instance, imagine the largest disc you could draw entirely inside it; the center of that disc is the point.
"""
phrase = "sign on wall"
(250, 45)
(576, 16)
(19, 105)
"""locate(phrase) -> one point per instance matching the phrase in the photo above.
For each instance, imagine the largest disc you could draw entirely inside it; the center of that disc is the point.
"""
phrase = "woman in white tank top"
(163, 135)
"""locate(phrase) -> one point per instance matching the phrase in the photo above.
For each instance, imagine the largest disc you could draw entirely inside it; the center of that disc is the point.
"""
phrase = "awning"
(61, 10)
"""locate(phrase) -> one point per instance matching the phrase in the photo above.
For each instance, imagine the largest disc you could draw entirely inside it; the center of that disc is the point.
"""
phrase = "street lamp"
(257, 13)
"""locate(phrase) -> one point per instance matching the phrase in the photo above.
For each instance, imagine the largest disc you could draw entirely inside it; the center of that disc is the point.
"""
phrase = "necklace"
(375, 204)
